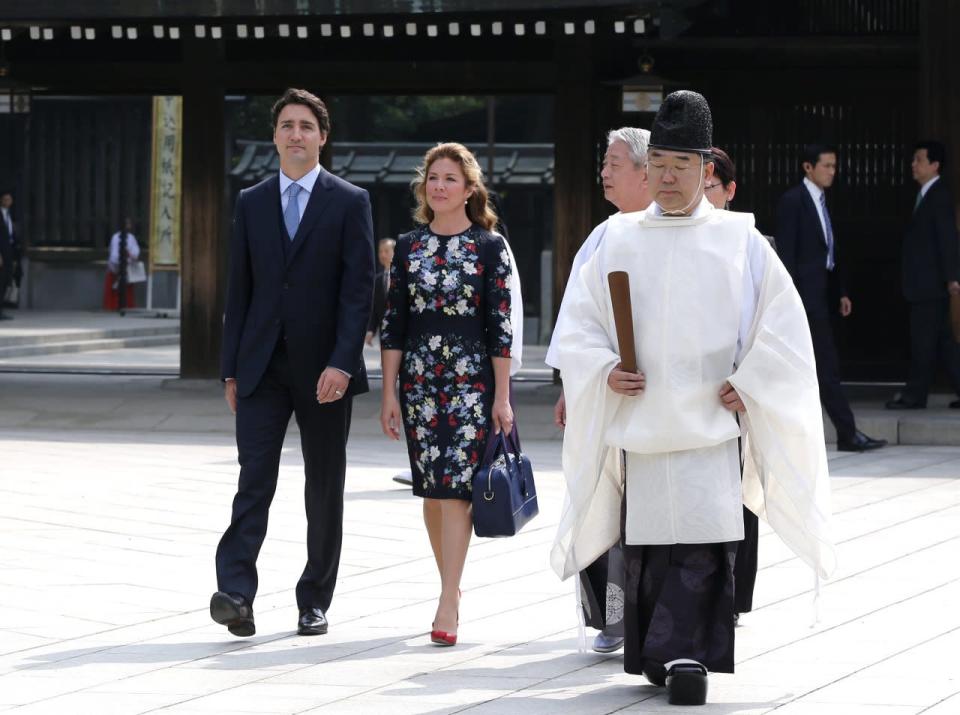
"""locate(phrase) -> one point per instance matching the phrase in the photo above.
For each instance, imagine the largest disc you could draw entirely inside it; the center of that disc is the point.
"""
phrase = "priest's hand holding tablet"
(730, 399)
(626, 383)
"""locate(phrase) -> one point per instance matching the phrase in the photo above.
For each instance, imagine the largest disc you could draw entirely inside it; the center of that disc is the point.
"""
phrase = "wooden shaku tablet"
(623, 319)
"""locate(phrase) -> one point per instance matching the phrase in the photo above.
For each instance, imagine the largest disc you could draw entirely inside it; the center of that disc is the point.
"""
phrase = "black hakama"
(678, 603)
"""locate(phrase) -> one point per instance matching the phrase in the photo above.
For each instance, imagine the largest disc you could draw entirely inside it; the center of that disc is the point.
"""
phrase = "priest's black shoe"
(860, 443)
(898, 403)
(686, 682)
(312, 622)
(234, 612)
(955, 405)
(654, 672)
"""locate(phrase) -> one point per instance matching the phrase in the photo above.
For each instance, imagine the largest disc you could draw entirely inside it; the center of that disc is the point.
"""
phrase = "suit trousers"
(930, 338)
(262, 420)
(828, 376)
(6, 275)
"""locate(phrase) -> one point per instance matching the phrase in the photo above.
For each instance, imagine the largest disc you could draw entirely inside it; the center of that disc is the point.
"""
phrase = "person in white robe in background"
(624, 177)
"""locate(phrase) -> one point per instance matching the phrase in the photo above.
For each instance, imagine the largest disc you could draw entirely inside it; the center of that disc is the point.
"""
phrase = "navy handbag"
(504, 495)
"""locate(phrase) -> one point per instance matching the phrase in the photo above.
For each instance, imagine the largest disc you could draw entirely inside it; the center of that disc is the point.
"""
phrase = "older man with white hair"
(624, 177)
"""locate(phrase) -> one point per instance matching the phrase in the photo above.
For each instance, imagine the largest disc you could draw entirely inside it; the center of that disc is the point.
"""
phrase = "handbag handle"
(504, 441)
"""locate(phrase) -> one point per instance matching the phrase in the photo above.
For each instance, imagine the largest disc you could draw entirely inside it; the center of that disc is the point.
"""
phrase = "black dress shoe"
(686, 682)
(234, 612)
(955, 405)
(312, 622)
(860, 443)
(898, 403)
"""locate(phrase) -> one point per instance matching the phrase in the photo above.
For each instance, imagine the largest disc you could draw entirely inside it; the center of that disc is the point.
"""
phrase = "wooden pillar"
(203, 255)
(575, 158)
(939, 100)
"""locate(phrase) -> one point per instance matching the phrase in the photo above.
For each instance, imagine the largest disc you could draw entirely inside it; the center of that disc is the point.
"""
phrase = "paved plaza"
(114, 492)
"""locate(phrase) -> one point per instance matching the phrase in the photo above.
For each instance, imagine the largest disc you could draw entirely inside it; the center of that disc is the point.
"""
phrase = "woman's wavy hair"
(479, 210)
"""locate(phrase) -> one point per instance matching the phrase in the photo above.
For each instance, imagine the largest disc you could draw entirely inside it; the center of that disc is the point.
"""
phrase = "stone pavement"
(108, 527)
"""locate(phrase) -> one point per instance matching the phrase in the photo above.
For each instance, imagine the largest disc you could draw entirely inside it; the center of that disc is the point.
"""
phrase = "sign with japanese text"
(165, 183)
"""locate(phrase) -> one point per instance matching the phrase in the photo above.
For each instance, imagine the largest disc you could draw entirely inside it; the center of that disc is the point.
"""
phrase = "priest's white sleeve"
(585, 340)
(785, 476)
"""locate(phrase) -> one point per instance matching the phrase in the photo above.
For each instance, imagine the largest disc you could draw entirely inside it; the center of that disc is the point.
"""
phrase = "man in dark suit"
(298, 302)
(930, 273)
(805, 244)
(10, 271)
(381, 284)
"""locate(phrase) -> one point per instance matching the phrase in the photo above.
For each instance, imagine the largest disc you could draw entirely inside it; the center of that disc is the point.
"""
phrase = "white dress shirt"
(305, 182)
(816, 193)
(926, 187)
(8, 222)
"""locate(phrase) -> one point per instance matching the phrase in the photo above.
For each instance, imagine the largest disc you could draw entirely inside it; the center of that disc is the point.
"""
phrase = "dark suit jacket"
(379, 300)
(930, 253)
(315, 294)
(802, 247)
(8, 250)
(10, 256)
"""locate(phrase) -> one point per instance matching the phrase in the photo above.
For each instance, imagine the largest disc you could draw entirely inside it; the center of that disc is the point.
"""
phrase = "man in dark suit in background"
(930, 273)
(10, 272)
(298, 302)
(805, 244)
(381, 284)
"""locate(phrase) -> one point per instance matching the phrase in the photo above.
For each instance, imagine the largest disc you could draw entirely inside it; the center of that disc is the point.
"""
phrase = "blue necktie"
(829, 231)
(291, 216)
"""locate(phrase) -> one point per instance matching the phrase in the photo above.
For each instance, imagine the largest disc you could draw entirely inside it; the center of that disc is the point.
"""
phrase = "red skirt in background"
(111, 295)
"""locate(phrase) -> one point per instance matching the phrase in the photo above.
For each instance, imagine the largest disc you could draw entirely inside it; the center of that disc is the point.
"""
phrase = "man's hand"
(560, 411)
(846, 307)
(626, 383)
(953, 288)
(331, 386)
(230, 394)
(368, 338)
(730, 399)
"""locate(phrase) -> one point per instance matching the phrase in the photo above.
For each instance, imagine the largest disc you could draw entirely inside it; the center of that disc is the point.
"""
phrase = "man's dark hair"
(310, 101)
(812, 152)
(936, 151)
(723, 167)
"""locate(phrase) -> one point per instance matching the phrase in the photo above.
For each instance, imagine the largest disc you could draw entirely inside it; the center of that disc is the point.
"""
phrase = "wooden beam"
(575, 160)
(939, 96)
(203, 252)
(396, 77)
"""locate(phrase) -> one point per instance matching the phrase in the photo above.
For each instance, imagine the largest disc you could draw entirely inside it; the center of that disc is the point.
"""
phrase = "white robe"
(687, 287)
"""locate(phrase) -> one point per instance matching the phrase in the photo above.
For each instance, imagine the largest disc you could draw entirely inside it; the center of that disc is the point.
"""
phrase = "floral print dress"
(448, 310)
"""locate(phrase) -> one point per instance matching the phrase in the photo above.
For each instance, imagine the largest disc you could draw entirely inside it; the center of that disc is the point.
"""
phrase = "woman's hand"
(390, 415)
(502, 417)
(626, 383)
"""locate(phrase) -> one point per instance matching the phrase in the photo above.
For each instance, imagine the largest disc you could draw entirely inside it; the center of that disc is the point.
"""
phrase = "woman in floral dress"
(447, 336)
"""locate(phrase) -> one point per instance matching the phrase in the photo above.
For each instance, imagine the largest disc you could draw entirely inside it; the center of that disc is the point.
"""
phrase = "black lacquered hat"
(683, 123)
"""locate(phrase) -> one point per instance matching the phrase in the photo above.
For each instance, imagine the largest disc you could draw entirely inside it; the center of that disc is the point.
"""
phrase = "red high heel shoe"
(443, 637)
